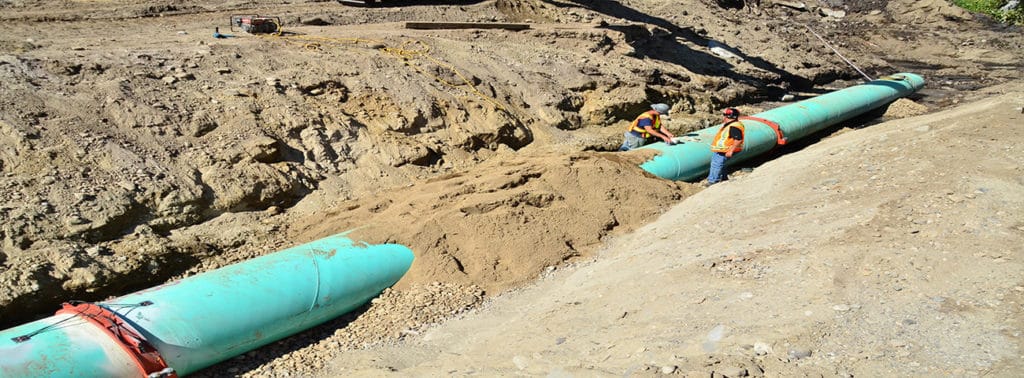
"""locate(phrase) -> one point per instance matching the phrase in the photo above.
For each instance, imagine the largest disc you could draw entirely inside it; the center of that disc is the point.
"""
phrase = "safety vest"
(656, 123)
(723, 141)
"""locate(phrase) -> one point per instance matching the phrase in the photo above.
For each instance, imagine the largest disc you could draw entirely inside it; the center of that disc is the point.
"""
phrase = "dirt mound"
(509, 219)
(903, 108)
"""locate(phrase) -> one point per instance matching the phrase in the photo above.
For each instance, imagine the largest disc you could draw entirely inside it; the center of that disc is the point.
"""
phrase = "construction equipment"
(256, 24)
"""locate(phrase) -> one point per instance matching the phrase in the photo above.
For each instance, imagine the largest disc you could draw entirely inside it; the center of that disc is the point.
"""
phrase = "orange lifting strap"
(147, 358)
(778, 132)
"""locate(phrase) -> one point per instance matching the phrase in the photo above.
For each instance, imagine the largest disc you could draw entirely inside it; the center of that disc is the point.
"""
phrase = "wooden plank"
(465, 25)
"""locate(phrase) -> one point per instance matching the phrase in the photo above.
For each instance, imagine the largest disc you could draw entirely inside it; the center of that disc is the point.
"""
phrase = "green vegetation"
(991, 7)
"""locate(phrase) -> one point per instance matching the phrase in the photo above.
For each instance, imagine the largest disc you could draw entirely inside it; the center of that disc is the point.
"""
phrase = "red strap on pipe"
(146, 357)
(778, 132)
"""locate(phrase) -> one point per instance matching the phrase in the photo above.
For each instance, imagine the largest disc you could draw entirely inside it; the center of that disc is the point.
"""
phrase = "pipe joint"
(146, 357)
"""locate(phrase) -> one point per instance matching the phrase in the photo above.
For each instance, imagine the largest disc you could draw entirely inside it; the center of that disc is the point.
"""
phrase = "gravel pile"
(389, 318)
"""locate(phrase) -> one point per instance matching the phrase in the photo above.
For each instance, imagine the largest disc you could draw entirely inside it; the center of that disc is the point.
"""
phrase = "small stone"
(762, 349)
(223, 70)
(796, 354)
(669, 369)
(841, 308)
(836, 13)
(93, 251)
(792, 4)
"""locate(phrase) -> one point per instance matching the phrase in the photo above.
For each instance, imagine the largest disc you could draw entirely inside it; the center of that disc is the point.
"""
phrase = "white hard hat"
(660, 108)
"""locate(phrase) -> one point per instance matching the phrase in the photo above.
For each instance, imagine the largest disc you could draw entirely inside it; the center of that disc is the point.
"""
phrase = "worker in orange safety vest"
(646, 127)
(728, 141)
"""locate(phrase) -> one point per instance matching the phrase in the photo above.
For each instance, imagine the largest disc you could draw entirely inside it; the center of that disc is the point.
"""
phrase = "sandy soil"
(136, 149)
(857, 256)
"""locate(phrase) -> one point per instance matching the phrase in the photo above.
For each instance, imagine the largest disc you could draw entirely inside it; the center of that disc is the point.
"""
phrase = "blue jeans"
(717, 172)
(631, 141)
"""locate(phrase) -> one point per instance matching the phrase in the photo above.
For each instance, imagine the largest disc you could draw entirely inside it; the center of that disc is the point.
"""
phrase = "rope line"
(837, 53)
(27, 336)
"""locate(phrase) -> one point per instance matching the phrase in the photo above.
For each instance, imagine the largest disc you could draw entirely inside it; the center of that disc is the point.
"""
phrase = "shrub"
(991, 8)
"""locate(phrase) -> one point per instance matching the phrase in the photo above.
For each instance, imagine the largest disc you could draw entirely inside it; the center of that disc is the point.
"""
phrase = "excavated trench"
(240, 151)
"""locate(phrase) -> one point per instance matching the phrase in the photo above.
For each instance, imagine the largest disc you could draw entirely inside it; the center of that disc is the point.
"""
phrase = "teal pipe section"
(201, 320)
(690, 159)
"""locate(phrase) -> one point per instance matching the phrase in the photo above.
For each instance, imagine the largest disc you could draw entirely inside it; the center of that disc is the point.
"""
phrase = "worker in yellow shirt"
(647, 128)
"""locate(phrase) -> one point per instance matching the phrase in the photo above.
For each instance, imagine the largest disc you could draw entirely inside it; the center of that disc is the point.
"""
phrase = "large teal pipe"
(201, 320)
(690, 159)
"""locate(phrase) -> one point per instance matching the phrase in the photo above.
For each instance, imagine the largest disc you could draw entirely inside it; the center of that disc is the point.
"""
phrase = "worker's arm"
(736, 135)
(731, 150)
(667, 138)
(664, 130)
